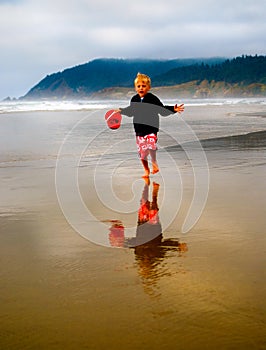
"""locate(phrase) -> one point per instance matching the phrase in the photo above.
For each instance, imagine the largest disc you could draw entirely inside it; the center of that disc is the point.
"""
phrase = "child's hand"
(179, 108)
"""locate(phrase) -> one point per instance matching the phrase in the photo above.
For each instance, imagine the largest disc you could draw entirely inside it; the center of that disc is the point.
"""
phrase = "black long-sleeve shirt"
(145, 113)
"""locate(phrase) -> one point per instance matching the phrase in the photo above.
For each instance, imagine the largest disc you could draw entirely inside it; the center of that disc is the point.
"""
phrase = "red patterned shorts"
(145, 144)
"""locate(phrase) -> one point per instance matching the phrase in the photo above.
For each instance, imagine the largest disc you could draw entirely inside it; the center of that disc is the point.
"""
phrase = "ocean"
(73, 271)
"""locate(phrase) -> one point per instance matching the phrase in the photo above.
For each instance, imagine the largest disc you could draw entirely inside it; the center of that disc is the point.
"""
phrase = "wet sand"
(200, 290)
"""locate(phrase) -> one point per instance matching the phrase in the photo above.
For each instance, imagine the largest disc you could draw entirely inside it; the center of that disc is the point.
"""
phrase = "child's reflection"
(149, 226)
(149, 245)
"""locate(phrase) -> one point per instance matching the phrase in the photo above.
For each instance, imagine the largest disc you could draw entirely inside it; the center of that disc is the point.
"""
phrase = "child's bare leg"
(155, 167)
(155, 190)
(146, 167)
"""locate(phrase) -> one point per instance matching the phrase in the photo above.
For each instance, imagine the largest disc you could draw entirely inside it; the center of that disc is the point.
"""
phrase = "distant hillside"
(86, 79)
(102, 78)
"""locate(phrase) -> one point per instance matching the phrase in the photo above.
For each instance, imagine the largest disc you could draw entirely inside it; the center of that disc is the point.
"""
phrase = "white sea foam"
(219, 101)
(33, 106)
(78, 105)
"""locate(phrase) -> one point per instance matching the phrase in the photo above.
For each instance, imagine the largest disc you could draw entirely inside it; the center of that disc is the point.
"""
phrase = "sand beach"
(71, 278)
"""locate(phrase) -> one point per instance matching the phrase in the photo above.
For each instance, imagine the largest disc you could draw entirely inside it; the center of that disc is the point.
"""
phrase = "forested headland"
(113, 78)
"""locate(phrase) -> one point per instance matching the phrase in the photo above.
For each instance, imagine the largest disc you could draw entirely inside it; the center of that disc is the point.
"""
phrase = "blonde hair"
(142, 77)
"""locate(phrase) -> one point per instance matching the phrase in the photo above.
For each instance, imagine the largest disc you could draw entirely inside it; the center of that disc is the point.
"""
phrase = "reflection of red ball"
(113, 119)
(117, 235)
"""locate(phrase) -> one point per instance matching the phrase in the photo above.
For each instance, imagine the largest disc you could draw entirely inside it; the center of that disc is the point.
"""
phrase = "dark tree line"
(242, 70)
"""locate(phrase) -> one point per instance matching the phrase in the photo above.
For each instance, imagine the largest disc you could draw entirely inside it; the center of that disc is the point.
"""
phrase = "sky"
(43, 37)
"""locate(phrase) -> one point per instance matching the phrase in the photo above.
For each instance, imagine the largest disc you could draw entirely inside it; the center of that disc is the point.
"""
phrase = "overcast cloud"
(42, 37)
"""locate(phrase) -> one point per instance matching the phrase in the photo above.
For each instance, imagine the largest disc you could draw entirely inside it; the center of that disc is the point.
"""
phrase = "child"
(146, 120)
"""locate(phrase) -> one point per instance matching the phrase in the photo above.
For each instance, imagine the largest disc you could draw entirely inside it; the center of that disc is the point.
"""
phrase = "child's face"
(142, 87)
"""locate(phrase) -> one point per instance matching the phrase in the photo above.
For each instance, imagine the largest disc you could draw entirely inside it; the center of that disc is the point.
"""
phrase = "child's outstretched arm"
(127, 111)
(179, 108)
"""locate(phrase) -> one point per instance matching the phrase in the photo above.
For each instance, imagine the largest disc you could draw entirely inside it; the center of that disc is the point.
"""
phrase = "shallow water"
(199, 290)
